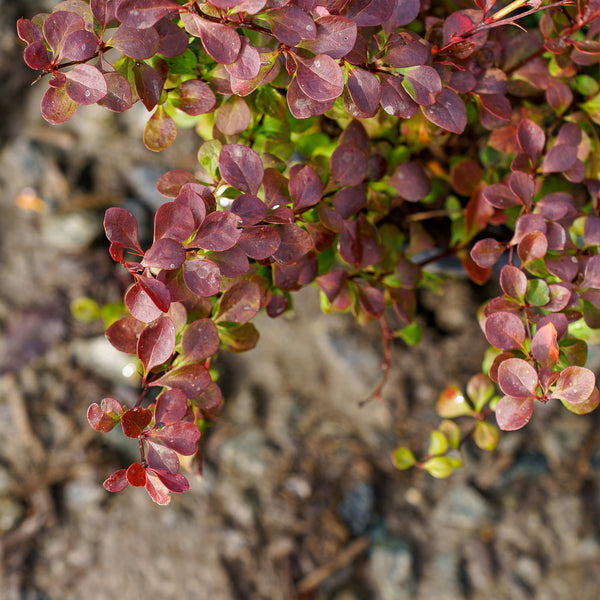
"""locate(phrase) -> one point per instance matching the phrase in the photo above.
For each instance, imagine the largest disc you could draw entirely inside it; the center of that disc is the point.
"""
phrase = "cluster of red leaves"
(249, 228)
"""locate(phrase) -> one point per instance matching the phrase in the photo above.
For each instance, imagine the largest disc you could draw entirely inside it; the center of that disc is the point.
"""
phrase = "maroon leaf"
(56, 106)
(394, 99)
(80, 46)
(116, 482)
(148, 85)
(260, 241)
(371, 300)
(165, 253)
(368, 13)
(201, 276)
(241, 167)
(305, 188)
(513, 282)
(358, 243)
(141, 305)
(295, 243)
(517, 378)
(121, 226)
(348, 165)
(171, 183)
(559, 158)
(218, 231)
(232, 262)
(544, 345)
(303, 107)
(365, 90)
(28, 31)
(36, 55)
(423, 84)
(290, 24)
(526, 224)
(233, 116)
(118, 96)
(160, 130)
(173, 40)
(161, 457)
(57, 28)
(564, 267)
(156, 291)
(181, 437)
(585, 407)
(192, 379)
(574, 385)
(156, 343)
(513, 413)
(500, 196)
(486, 252)
(171, 407)
(497, 104)
(173, 220)
(103, 418)
(142, 14)
(320, 77)
(448, 112)
(592, 273)
(123, 334)
(250, 208)
(505, 330)
(533, 246)
(240, 303)
(135, 420)
(335, 36)
(247, 64)
(411, 182)
(531, 139)
(200, 341)
(136, 475)
(193, 97)
(139, 44)
(222, 42)
(407, 50)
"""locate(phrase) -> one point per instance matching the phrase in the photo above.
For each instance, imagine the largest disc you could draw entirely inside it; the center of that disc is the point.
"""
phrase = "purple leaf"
(140, 305)
(394, 99)
(241, 167)
(320, 77)
(574, 385)
(505, 330)
(559, 158)
(80, 45)
(193, 97)
(139, 44)
(200, 341)
(201, 276)
(173, 220)
(171, 407)
(303, 107)
(531, 139)
(156, 290)
(192, 379)
(165, 253)
(58, 26)
(335, 36)
(118, 97)
(517, 378)
(500, 196)
(544, 345)
(526, 224)
(291, 24)
(142, 14)
(411, 182)
(423, 84)
(513, 282)
(295, 243)
(250, 208)
(123, 334)
(156, 343)
(36, 55)
(28, 31)
(122, 227)
(173, 40)
(218, 232)
(56, 106)
(448, 112)
(148, 85)
(364, 90)
(240, 303)
(486, 252)
(181, 437)
(247, 64)
(161, 457)
(368, 13)
(407, 50)
(592, 273)
(305, 188)
(233, 116)
(232, 262)
(532, 247)
(222, 42)
(260, 241)
(513, 413)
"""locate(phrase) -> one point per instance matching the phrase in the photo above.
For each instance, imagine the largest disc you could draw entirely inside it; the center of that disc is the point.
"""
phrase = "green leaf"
(538, 292)
(452, 403)
(85, 310)
(452, 432)
(441, 466)
(208, 157)
(403, 458)
(438, 444)
(183, 64)
(486, 436)
(479, 389)
(411, 334)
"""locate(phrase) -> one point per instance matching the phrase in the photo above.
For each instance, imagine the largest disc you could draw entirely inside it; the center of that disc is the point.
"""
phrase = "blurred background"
(298, 499)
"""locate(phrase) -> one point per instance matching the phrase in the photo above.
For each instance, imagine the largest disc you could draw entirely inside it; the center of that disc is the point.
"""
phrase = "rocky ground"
(299, 499)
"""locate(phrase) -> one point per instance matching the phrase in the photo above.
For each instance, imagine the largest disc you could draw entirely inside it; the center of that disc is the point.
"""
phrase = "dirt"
(298, 498)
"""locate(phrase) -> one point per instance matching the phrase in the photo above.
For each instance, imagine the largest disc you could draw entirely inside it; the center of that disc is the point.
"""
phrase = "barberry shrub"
(347, 144)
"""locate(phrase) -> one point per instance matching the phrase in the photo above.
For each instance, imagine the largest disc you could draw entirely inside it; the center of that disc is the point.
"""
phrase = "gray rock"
(391, 570)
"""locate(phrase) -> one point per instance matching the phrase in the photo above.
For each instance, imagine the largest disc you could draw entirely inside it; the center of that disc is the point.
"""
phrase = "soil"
(298, 499)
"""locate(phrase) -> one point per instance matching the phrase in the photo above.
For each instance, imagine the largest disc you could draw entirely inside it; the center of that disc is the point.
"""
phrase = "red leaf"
(80, 46)
(136, 475)
(232, 263)
(544, 346)
(135, 420)
(122, 227)
(303, 107)
(422, 83)
(448, 112)
(57, 28)
(201, 276)
(291, 25)
(156, 489)
(574, 385)
(180, 436)
(156, 343)
(116, 482)
(320, 77)
(165, 253)
(160, 457)
(394, 99)
(173, 220)
(140, 305)
(486, 252)
(295, 243)
(192, 379)
(250, 208)
(532, 247)
(500, 196)
(171, 183)
(559, 158)
(156, 290)
(193, 97)
(368, 13)
(241, 167)
(513, 413)
(305, 188)
(335, 36)
(240, 303)
(171, 407)
(411, 182)
(218, 232)
(56, 106)
(348, 166)
(531, 139)
(139, 44)
(517, 378)
(260, 241)
(29, 32)
(199, 341)
(505, 330)
(104, 418)
(142, 14)
(118, 96)
(513, 282)
(233, 116)
(364, 90)
(222, 42)
(123, 334)
(148, 85)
